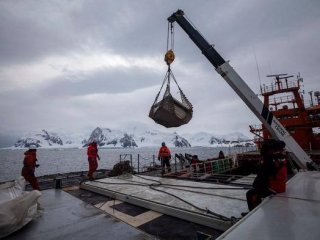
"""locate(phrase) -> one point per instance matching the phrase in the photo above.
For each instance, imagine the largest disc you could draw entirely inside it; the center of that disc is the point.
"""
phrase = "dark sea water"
(54, 161)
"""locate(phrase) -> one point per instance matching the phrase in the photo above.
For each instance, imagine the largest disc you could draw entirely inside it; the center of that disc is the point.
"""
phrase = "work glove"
(37, 165)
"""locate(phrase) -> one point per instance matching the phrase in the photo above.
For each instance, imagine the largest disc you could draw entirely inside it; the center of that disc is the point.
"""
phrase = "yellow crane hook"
(169, 57)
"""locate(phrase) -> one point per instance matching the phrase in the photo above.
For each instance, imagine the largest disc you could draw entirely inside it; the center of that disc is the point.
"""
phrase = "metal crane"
(243, 90)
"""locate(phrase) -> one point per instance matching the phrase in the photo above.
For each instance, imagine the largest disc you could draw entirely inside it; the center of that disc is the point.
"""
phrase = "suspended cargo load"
(170, 112)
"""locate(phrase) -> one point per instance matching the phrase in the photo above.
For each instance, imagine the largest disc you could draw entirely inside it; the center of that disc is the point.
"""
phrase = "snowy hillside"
(206, 139)
(46, 139)
(137, 135)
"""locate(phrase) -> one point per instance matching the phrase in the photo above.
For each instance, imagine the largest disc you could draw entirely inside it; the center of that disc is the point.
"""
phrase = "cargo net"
(170, 112)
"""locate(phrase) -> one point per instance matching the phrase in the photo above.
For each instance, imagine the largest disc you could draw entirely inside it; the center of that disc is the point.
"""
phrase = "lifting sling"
(170, 112)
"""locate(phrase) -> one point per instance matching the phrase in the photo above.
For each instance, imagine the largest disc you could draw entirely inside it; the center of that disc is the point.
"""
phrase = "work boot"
(90, 177)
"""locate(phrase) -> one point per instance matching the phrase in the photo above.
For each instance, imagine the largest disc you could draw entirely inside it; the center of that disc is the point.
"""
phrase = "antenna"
(311, 98)
(255, 57)
(277, 75)
(317, 95)
(286, 77)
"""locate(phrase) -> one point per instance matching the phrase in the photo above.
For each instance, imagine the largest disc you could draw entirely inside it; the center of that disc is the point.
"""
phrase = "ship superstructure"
(284, 98)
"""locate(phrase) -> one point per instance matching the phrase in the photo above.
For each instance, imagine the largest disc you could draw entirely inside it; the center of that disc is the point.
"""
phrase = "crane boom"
(243, 90)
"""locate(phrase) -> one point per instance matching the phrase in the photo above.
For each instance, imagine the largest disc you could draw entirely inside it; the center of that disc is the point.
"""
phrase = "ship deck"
(75, 213)
(294, 214)
(67, 217)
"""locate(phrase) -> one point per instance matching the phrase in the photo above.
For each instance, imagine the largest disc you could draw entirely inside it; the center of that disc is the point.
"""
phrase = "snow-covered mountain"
(48, 139)
(137, 135)
(134, 137)
(207, 139)
(105, 137)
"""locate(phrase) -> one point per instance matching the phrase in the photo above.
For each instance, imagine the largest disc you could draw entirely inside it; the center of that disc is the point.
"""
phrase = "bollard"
(57, 183)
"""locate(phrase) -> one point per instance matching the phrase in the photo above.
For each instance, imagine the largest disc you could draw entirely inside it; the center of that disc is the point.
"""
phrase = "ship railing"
(140, 164)
(150, 164)
(282, 86)
(217, 166)
(64, 180)
(314, 120)
(282, 100)
(143, 164)
(126, 157)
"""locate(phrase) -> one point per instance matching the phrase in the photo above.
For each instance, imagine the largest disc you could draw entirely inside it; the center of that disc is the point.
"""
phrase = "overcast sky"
(74, 65)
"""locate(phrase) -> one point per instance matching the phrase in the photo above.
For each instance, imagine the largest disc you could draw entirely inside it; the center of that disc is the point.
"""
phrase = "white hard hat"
(33, 147)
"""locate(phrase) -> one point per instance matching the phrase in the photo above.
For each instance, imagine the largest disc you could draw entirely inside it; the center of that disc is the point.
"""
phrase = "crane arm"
(243, 90)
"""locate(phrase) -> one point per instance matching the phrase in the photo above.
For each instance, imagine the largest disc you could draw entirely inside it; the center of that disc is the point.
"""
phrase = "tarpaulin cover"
(17, 207)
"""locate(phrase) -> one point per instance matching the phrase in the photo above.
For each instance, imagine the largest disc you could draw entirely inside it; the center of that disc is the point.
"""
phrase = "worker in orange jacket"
(164, 156)
(93, 155)
(29, 165)
(272, 177)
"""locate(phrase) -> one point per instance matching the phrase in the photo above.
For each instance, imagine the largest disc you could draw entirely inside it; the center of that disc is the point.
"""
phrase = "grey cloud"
(282, 35)
(31, 32)
(104, 81)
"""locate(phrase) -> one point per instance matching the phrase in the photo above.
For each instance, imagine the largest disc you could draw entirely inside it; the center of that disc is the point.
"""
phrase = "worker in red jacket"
(272, 176)
(164, 156)
(29, 165)
(93, 155)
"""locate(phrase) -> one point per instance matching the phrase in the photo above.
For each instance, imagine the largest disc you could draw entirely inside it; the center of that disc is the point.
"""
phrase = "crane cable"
(169, 56)
(170, 36)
